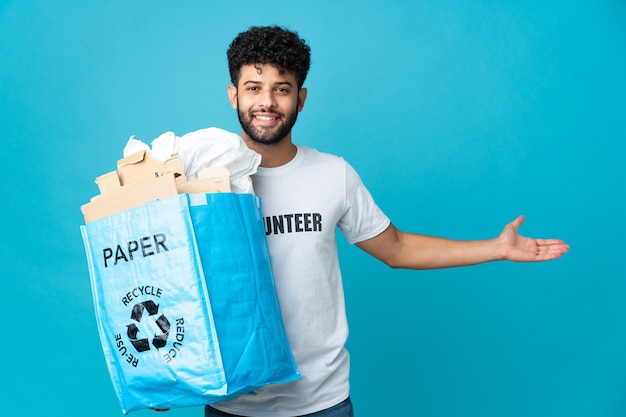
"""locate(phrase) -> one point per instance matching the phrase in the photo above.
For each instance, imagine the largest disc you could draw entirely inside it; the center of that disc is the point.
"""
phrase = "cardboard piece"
(140, 179)
(129, 196)
(210, 180)
(108, 182)
(140, 166)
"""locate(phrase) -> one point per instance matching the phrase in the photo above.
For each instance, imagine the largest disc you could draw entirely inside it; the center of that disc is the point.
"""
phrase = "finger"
(517, 222)
(553, 245)
(551, 251)
(548, 242)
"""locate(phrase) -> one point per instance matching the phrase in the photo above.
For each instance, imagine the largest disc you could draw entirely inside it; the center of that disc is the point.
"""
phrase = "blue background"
(458, 115)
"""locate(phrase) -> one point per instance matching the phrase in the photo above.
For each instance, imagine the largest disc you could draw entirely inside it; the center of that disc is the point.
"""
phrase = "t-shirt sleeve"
(362, 219)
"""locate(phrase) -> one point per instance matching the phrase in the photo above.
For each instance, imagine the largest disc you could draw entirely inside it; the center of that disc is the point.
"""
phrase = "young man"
(306, 195)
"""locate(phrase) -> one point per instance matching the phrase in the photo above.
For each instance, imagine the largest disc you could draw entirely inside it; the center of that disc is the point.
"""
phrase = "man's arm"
(412, 251)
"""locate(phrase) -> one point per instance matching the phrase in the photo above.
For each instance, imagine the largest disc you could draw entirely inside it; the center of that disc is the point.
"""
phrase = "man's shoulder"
(313, 155)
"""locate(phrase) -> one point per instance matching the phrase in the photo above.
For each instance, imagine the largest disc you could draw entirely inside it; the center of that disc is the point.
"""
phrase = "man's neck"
(273, 155)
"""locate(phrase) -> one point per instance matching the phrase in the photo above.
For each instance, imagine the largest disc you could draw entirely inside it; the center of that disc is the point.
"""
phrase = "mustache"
(274, 112)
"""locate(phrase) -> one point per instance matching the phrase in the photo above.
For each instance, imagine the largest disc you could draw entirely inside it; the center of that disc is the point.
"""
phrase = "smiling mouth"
(266, 118)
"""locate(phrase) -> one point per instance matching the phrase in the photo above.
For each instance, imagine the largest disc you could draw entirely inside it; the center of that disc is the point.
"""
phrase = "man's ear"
(232, 96)
(302, 98)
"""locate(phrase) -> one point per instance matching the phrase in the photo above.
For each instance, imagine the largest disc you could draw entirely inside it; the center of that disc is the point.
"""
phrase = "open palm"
(519, 248)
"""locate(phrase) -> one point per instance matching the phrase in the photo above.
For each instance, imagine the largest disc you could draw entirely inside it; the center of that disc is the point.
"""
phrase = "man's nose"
(268, 100)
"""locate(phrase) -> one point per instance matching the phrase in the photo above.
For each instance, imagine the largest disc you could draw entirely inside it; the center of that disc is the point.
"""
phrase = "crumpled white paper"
(210, 147)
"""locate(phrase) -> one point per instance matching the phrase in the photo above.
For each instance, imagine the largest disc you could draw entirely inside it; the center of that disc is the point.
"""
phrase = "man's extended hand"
(523, 249)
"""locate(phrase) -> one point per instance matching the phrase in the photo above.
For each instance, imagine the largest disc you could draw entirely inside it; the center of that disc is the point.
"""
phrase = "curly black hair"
(272, 45)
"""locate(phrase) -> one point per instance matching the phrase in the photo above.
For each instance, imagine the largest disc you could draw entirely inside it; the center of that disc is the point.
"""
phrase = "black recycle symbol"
(159, 340)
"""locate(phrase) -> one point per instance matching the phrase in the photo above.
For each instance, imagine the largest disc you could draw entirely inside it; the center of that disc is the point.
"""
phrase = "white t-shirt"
(303, 203)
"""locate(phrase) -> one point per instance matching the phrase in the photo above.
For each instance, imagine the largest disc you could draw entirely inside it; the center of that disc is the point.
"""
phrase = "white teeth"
(265, 118)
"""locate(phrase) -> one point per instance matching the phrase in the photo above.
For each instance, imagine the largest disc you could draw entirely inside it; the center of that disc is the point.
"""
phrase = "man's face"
(267, 103)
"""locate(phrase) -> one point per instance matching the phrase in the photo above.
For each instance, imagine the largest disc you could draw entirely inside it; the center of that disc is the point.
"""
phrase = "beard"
(267, 135)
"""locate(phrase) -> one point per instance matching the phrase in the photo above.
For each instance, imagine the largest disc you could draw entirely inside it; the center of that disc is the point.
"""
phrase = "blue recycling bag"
(185, 301)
